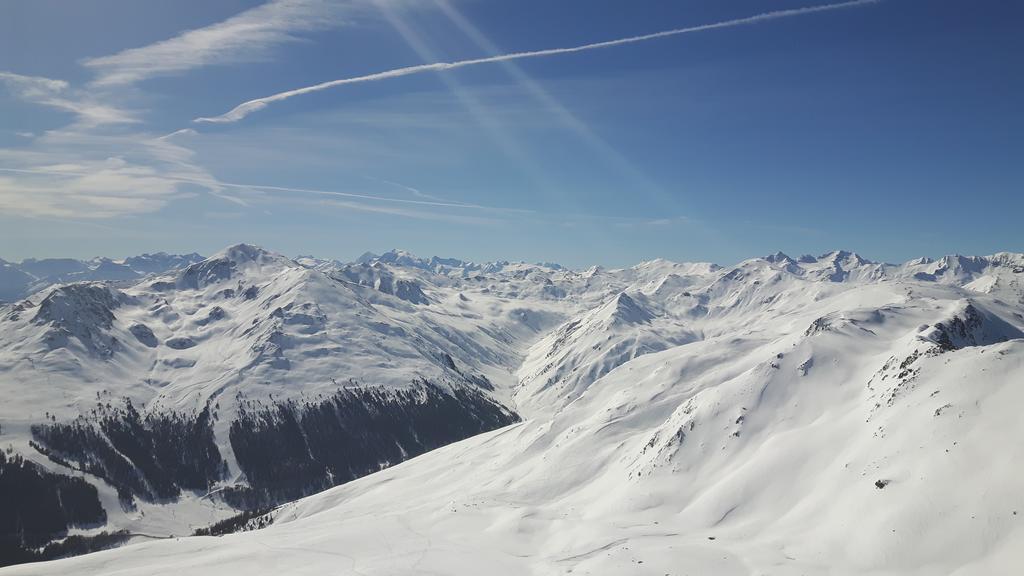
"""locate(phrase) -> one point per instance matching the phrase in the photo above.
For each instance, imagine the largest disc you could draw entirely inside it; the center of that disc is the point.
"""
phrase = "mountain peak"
(243, 253)
(779, 258)
(625, 309)
(367, 257)
(402, 258)
(225, 263)
(845, 256)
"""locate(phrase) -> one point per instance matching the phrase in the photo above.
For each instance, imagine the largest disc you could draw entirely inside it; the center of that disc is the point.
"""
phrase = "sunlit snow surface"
(832, 416)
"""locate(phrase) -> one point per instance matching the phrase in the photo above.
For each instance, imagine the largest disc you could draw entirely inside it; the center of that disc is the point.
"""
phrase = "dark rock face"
(959, 331)
(289, 450)
(410, 292)
(144, 335)
(204, 273)
(79, 305)
(972, 327)
(214, 315)
(181, 343)
(84, 312)
(822, 324)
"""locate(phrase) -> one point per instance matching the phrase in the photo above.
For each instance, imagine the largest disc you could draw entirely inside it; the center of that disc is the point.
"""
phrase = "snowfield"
(820, 415)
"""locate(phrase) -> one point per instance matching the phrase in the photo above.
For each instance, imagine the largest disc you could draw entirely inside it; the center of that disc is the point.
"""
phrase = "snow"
(22, 279)
(826, 415)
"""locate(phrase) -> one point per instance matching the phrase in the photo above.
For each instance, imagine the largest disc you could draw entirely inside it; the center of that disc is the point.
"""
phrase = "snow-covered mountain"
(19, 280)
(805, 415)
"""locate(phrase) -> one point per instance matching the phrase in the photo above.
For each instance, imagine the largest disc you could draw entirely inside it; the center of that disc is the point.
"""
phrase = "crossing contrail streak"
(246, 108)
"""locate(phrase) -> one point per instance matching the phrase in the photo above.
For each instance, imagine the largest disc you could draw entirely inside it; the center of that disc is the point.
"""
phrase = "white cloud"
(81, 171)
(245, 37)
(32, 87)
(84, 175)
(76, 172)
(182, 132)
(95, 189)
(57, 94)
(244, 109)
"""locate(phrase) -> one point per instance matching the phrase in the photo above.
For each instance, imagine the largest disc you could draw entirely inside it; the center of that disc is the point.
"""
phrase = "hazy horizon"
(358, 254)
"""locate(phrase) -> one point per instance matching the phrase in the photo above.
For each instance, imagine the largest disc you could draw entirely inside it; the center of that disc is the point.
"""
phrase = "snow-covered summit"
(825, 414)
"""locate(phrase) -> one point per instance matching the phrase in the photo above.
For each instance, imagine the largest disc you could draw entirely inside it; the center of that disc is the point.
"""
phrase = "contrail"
(246, 108)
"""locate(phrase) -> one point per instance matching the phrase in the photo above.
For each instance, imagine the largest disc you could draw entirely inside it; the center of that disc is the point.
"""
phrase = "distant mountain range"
(816, 414)
(18, 280)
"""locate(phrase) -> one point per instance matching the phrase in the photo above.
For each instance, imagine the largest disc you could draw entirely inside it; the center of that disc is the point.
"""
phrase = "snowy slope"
(786, 416)
(245, 331)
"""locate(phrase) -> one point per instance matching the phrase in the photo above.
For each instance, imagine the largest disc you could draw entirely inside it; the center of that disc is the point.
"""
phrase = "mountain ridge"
(624, 374)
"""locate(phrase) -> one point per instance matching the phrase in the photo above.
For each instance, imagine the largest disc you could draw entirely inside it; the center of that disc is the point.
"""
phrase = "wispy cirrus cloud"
(244, 109)
(82, 174)
(32, 86)
(249, 36)
(63, 183)
(89, 170)
(90, 189)
(88, 109)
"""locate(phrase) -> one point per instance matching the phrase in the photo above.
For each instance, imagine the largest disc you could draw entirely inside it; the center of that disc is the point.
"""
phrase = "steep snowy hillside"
(787, 416)
(183, 396)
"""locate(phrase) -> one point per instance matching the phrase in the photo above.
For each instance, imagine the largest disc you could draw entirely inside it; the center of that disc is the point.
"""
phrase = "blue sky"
(891, 128)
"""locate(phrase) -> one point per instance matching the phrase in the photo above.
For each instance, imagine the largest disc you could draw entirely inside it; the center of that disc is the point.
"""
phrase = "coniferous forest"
(39, 506)
(291, 449)
(285, 449)
(153, 457)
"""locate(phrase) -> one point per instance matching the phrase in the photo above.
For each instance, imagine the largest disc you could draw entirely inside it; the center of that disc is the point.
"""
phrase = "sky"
(533, 130)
